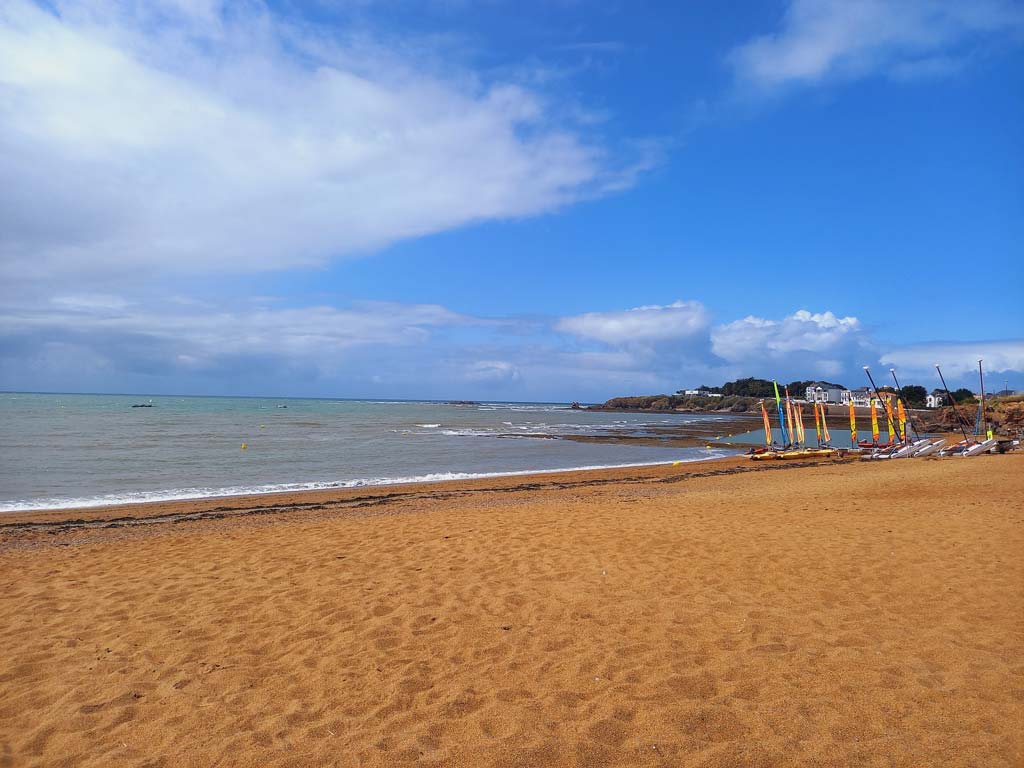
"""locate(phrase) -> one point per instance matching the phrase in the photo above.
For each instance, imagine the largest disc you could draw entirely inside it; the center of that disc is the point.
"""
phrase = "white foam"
(429, 426)
(185, 494)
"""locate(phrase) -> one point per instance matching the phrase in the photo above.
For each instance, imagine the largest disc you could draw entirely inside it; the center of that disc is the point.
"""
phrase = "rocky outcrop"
(683, 403)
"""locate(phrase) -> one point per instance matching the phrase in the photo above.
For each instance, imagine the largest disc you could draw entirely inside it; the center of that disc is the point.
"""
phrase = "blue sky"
(531, 201)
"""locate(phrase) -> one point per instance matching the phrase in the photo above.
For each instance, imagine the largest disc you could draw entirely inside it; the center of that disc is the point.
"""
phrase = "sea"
(61, 451)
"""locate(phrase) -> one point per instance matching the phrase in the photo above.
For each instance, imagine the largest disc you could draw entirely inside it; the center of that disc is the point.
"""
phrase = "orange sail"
(767, 425)
(889, 419)
(874, 420)
(817, 423)
(800, 422)
(901, 414)
(853, 424)
(789, 415)
(824, 425)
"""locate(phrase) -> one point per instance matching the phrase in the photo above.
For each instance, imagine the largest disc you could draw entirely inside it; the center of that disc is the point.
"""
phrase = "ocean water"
(64, 451)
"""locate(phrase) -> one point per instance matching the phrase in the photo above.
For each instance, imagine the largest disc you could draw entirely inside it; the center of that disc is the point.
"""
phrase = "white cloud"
(958, 359)
(641, 325)
(823, 39)
(180, 136)
(755, 338)
(494, 371)
(198, 339)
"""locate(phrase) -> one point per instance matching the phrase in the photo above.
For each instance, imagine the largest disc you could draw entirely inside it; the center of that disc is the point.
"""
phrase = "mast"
(952, 402)
(767, 425)
(793, 430)
(817, 424)
(899, 389)
(782, 414)
(890, 420)
(888, 412)
(981, 377)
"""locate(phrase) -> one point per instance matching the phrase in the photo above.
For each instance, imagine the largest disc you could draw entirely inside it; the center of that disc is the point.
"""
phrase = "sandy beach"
(712, 614)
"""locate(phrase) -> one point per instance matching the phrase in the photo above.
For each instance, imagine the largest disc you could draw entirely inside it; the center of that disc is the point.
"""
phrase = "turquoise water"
(59, 451)
(840, 437)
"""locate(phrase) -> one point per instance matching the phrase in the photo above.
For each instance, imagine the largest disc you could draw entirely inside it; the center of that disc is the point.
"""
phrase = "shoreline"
(318, 487)
(285, 501)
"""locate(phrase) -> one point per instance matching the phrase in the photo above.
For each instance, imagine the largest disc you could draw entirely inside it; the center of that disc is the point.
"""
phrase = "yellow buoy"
(676, 463)
(244, 446)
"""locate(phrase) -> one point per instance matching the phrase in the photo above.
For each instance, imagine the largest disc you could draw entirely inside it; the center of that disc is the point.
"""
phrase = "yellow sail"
(853, 423)
(817, 423)
(901, 414)
(800, 422)
(824, 425)
(874, 420)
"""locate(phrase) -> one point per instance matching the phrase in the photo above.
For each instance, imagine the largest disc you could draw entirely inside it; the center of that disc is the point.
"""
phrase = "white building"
(820, 392)
(700, 393)
(935, 399)
(861, 397)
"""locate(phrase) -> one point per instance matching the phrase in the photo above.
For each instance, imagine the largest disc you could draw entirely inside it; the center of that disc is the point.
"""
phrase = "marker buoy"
(244, 446)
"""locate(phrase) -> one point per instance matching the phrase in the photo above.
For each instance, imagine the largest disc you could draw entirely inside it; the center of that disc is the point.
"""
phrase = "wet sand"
(725, 613)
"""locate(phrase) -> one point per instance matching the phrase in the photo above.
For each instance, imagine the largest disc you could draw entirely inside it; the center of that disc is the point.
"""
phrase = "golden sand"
(855, 613)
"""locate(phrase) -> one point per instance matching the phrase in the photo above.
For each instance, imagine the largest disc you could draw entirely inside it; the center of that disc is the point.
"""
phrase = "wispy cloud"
(958, 359)
(641, 325)
(820, 40)
(194, 137)
(103, 341)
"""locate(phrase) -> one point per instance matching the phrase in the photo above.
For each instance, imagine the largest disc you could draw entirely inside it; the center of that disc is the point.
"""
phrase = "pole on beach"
(888, 409)
(900, 390)
(956, 413)
(981, 377)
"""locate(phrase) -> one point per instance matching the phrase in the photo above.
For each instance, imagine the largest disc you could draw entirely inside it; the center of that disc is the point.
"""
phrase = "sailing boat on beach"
(967, 446)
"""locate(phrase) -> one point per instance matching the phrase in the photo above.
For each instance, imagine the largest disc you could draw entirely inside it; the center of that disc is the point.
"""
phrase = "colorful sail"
(889, 419)
(800, 424)
(767, 425)
(817, 423)
(901, 414)
(824, 425)
(874, 420)
(792, 422)
(782, 414)
(853, 424)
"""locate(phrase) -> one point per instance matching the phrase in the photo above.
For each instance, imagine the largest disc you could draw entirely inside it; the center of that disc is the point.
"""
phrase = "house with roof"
(935, 400)
(861, 397)
(821, 392)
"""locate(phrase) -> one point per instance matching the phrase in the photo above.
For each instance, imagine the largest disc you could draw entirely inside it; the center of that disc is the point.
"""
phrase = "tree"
(915, 395)
(749, 387)
(963, 396)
